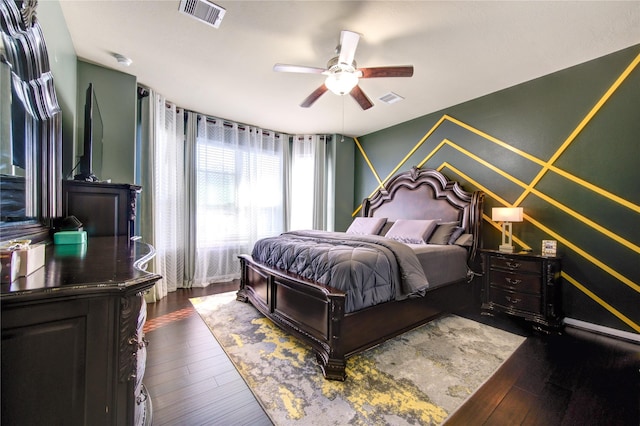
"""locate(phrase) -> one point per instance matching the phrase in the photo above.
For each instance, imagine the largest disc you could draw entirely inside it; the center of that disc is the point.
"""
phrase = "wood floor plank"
(232, 396)
(549, 408)
(513, 408)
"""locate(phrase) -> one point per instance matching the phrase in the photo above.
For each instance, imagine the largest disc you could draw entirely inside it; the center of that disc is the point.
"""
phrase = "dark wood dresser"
(105, 209)
(524, 285)
(73, 348)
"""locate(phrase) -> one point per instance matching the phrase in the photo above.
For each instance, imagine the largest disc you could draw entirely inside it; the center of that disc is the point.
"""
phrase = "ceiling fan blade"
(392, 71)
(362, 99)
(298, 68)
(313, 96)
(348, 44)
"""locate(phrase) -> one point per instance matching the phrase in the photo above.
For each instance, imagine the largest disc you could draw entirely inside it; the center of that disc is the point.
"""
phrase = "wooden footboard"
(310, 311)
(315, 313)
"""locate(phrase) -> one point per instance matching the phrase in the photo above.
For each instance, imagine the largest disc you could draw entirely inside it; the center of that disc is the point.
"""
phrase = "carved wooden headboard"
(428, 194)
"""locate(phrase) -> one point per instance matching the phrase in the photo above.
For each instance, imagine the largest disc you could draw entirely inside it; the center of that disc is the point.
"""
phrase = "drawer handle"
(141, 398)
(512, 281)
(513, 265)
(512, 300)
(133, 341)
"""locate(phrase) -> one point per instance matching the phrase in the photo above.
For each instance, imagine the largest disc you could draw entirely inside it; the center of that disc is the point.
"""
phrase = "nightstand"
(525, 285)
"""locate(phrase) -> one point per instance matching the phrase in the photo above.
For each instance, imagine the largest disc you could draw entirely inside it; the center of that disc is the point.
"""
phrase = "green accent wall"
(116, 93)
(344, 155)
(596, 227)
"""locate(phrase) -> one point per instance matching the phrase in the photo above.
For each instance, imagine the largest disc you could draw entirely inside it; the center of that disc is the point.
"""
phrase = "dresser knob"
(133, 341)
(513, 265)
(512, 300)
(141, 398)
(512, 281)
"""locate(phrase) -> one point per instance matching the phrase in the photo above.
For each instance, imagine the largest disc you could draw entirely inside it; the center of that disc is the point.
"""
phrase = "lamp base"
(505, 248)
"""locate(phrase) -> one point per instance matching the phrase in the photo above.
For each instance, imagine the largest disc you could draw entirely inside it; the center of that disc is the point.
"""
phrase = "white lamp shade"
(506, 214)
(341, 82)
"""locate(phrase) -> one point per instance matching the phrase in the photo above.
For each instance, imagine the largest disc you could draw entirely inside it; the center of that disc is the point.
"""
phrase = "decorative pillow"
(464, 240)
(411, 231)
(386, 228)
(456, 234)
(443, 233)
(366, 225)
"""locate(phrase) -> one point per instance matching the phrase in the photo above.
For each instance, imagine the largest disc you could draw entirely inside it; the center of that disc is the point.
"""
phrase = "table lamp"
(506, 215)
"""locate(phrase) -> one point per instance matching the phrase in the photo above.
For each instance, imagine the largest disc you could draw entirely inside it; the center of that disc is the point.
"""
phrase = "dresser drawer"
(517, 282)
(514, 300)
(514, 264)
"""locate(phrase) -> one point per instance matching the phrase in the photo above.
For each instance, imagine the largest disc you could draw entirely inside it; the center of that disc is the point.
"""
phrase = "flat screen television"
(91, 159)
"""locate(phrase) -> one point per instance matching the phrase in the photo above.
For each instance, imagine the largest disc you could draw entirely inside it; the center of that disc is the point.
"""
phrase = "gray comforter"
(369, 268)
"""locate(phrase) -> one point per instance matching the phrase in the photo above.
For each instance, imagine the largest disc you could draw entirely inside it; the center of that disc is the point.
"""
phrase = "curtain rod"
(230, 124)
(325, 137)
(143, 92)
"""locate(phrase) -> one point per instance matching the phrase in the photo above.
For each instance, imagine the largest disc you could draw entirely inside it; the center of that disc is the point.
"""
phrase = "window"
(239, 185)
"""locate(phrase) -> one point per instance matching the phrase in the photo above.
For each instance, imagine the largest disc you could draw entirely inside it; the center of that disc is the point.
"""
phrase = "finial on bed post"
(414, 173)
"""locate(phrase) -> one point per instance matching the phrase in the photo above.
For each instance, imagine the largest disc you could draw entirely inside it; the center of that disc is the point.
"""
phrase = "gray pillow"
(456, 234)
(411, 231)
(366, 225)
(386, 228)
(443, 232)
(464, 240)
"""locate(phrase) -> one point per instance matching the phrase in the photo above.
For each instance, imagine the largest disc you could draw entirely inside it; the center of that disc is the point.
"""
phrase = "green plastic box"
(70, 237)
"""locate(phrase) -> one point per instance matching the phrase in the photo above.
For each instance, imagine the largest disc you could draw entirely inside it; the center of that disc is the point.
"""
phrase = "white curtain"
(239, 194)
(162, 206)
(212, 188)
(309, 182)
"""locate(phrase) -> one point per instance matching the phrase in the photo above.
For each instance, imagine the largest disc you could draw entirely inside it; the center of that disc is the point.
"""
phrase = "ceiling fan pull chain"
(342, 136)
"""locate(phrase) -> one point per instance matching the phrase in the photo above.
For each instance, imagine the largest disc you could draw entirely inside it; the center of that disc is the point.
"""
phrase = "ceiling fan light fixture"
(341, 82)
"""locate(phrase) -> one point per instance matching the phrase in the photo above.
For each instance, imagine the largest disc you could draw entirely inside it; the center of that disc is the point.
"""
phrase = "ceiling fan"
(343, 74)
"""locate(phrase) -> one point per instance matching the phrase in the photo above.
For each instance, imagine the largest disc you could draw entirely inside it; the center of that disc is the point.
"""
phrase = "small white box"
(31, 258)
(10, 265)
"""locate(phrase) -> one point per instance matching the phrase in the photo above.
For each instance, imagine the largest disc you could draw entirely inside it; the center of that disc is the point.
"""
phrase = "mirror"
(30, 127)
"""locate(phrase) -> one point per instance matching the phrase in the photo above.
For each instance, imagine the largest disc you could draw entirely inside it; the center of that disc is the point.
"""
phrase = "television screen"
(91, 158)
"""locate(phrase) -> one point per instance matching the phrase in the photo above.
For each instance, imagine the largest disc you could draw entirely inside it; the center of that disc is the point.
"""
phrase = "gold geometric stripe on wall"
(529, 188)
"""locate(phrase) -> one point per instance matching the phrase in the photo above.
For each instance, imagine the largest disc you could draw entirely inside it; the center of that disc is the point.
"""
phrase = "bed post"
(332, 357)
(241, 295)
(475, 225)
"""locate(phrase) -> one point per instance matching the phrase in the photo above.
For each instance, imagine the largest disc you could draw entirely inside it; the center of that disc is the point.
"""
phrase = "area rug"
(420, 377)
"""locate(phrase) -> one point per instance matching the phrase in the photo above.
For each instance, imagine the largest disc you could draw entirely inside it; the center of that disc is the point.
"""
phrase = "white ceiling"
(460, 51)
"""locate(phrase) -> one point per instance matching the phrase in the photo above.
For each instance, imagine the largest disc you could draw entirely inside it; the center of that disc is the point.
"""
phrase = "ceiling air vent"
(204, 11)
(391, 98)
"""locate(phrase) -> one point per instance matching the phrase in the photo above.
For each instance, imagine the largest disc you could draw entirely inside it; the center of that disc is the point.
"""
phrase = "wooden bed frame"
(315, 313)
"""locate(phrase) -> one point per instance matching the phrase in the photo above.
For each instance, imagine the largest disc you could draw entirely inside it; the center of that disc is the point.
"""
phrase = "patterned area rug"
(420, 377)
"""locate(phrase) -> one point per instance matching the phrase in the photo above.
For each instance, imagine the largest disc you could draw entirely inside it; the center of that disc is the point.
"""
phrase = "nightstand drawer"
(516, 282)
(514, 264)
(513, 300)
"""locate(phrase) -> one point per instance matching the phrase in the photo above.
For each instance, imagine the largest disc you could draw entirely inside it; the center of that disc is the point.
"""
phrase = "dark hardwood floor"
(190, 379)
(577, 378)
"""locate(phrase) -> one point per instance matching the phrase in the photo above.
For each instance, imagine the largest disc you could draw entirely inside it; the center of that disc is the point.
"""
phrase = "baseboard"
(619, 334)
